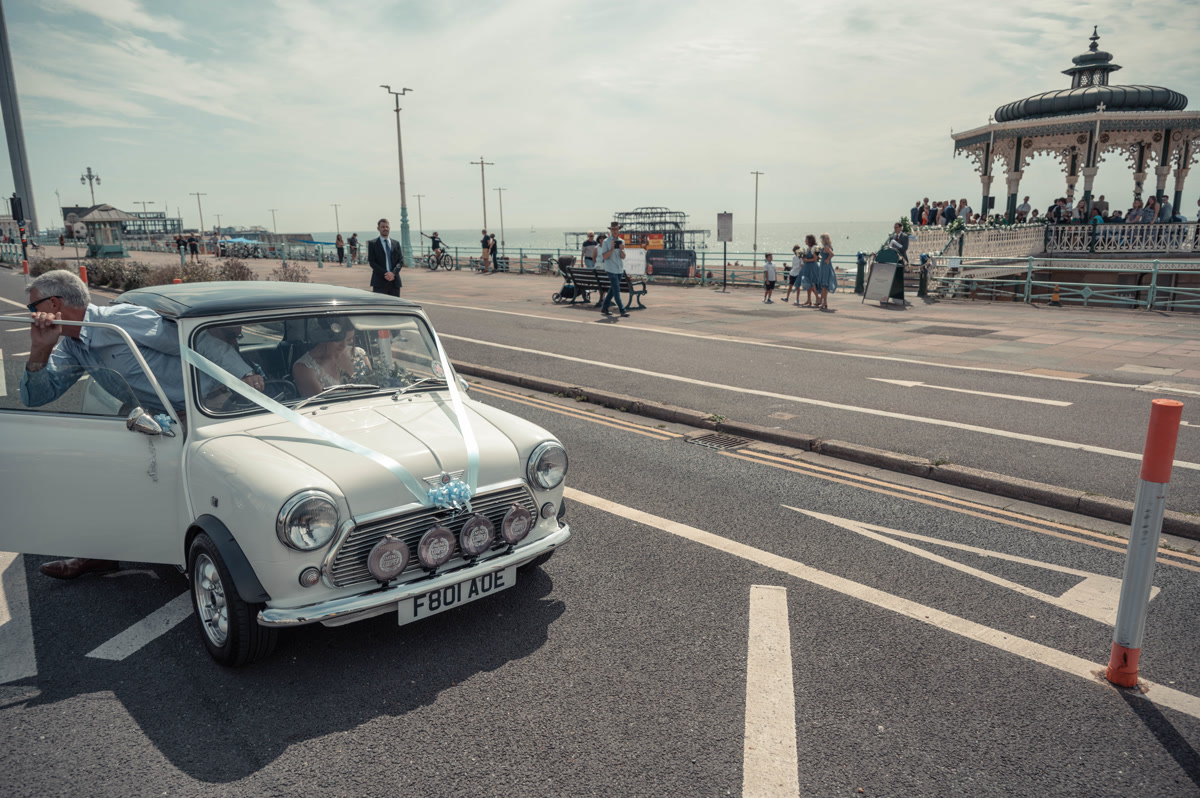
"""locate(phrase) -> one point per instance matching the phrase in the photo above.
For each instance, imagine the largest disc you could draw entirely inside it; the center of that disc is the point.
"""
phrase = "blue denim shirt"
(104, 355)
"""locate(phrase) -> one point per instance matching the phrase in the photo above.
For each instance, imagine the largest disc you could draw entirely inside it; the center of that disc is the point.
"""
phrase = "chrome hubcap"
(210, 600)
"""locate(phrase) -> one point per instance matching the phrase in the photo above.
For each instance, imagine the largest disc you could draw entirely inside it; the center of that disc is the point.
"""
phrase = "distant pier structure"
(651, 227)
(1091, 122)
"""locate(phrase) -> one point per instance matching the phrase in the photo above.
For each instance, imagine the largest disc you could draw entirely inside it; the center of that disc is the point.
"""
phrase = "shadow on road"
(220, 725)
(1166, 734)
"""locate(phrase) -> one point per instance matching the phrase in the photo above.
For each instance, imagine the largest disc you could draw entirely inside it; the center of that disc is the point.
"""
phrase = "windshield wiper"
(412, 385)
(335, 388)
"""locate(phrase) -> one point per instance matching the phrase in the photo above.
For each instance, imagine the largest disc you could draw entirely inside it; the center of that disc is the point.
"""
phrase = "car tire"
(228, 626)
(537, 562)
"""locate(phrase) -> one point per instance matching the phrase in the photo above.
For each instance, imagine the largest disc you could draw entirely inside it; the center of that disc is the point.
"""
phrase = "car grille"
(349, 566)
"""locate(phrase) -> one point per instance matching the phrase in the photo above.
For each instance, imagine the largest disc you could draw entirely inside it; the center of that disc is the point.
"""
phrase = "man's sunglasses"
(33, 305)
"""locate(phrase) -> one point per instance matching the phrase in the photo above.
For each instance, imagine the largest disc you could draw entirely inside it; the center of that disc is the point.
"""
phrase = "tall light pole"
(10, 108)
(483, 185)
(756, 174)
(337, 223)
(145, 220)
(405, 242)
(198, 195)
(500, 194)
(420, 222)
(274, 227)
(88, 178)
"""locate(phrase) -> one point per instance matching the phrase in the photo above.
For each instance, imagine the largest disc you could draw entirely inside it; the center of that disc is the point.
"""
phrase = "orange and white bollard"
(25, 268)
(1151, 502)
(83, 273)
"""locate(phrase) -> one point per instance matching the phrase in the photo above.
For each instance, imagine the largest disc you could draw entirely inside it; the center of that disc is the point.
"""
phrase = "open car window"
(298, 357)
(97, 392)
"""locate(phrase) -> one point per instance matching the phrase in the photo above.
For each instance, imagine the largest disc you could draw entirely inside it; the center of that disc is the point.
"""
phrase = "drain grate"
(715, 440)
(959, 332)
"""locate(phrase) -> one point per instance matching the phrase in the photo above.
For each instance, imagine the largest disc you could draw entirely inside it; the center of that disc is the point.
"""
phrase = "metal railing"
(1121, 238)
(1149, 285)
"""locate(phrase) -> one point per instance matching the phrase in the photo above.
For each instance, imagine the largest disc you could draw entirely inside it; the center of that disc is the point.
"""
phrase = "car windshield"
(300, 357)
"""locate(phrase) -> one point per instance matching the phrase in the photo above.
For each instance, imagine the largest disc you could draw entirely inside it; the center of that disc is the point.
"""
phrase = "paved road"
(622, 667)
(1075, 433)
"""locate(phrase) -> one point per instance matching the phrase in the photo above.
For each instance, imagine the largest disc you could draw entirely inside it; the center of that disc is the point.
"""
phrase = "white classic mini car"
(360, 480)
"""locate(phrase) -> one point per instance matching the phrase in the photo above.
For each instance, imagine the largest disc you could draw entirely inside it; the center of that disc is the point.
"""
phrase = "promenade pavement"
(1103, 343)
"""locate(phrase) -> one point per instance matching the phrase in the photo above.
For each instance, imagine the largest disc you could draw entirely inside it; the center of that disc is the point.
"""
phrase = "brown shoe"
(76, 567)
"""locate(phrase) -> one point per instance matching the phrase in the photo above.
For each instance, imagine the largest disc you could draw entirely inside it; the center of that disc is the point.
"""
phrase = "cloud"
(124, 14)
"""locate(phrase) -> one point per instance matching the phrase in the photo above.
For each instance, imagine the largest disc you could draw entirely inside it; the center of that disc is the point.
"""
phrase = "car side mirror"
(139, 420)
(462, 383)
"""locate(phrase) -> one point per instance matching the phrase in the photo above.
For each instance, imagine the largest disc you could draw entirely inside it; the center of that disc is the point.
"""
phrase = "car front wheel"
(228, 625)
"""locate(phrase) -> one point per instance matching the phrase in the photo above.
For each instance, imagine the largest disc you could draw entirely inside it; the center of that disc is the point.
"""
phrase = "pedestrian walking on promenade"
(194, 248)
(808, 271)
(826, 277)
(353, 250)
(589, 250)
(612, 256)
(769, 277)
(793, 276)
(486, 243)
(386, 258)
(341, 249)
(494, 253)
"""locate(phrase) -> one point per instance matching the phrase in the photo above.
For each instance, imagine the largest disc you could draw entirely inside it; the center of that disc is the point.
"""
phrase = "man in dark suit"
(915, 214)
(385, 258)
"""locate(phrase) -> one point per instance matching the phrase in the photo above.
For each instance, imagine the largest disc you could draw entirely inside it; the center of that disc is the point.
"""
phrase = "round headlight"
(388, 558)
(548, 465)
(516, 525)
(307, 521)
(476, 536)
(436, 547)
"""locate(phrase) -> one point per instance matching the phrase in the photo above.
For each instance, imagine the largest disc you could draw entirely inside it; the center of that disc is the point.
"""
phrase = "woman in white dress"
(332, 362)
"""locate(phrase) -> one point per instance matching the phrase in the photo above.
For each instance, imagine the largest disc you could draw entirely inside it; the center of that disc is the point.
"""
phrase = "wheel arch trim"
(245, 581)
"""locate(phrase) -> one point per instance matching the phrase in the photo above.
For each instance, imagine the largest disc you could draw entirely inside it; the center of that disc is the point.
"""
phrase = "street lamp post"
(500, 194)
(756, 174)
(420, 221)
(337, 223)
(483, 185)
(405, 242)
(87, 179)
(145, 220)
(198, 195)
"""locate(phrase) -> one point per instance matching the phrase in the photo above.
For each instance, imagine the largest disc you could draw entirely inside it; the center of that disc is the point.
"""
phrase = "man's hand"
(254, 381)
(43, 334)
(389, 276)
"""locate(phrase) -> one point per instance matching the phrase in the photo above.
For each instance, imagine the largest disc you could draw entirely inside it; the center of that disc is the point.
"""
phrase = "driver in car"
(60, 354)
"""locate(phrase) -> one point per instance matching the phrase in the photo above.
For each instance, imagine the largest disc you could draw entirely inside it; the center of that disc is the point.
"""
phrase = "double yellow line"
(963, 506)
(596, 418)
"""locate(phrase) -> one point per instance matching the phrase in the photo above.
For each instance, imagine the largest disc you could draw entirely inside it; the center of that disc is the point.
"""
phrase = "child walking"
(769, 277)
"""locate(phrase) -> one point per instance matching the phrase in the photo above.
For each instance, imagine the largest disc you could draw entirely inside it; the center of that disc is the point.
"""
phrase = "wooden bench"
(501, 264)
(597, 280)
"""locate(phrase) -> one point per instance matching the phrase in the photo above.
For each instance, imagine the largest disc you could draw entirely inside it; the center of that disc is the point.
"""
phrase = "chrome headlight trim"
(533, 471)
(295, 503)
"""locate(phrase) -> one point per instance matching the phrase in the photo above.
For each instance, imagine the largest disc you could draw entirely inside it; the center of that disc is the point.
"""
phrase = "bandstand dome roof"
(1090, 88)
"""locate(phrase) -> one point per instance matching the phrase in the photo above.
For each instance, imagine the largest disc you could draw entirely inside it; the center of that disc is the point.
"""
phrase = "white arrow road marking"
(154, 625)
(18, 658)
(871, 411)
(770, 766)
(3, 384)
(1096, 597)
(913, 384)
(11, 302)
(1027, 649)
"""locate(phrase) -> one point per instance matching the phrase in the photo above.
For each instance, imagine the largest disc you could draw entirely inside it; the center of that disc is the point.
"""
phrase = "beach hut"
(104, 236)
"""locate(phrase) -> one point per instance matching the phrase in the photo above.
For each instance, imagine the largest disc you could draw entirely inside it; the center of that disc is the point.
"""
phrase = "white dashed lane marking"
(18, 658)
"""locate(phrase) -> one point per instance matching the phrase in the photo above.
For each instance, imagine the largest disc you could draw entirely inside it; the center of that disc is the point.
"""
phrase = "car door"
(75, 482)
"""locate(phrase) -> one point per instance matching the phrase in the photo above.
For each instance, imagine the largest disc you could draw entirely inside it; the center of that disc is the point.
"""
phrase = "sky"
(584, 108)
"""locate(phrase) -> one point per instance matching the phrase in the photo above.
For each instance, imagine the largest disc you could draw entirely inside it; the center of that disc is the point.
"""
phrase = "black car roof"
(217, 299)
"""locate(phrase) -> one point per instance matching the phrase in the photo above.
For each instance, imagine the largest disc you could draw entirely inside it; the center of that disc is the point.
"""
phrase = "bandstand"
(1090, 123)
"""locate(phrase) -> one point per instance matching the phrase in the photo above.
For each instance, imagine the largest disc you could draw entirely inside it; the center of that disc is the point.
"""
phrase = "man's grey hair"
(63, 284)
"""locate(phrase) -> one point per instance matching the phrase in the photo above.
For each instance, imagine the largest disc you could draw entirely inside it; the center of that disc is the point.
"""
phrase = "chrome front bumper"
(354, 605)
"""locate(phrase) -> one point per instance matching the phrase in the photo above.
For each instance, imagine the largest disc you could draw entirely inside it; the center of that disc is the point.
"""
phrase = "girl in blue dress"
(809, 275)
(826, 279)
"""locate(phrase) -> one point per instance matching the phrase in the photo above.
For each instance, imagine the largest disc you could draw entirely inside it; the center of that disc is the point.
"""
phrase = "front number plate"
(435, 601)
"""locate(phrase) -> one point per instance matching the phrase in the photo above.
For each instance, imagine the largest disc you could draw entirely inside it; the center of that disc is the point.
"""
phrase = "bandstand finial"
(1095, 37)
